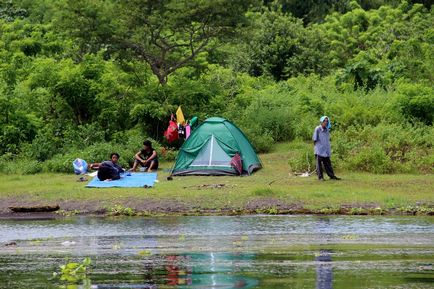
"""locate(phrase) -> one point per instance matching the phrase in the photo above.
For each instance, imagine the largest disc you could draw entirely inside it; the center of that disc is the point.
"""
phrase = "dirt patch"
(152, 206)
(83, 206)
(271, 203)
(370, 205)
(210, 186)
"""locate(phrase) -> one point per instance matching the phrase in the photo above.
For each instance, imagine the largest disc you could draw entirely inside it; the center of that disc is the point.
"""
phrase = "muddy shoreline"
(152, 207)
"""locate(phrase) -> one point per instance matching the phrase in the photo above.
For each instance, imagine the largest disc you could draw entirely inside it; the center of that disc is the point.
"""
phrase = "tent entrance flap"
(212, 155)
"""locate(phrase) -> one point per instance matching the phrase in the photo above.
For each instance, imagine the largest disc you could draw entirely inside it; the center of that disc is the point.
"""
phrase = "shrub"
(304, 126)
(32, 167)
(371, 159)
(126, 144)
(301, 158)
(385, 148)
(83, 135)
(45, 145)
(417, 102)
(262, 142)
(59, 163)
(16, 165)
(167, 154)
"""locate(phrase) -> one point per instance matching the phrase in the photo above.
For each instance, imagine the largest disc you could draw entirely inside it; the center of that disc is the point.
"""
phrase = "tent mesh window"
(212, 155)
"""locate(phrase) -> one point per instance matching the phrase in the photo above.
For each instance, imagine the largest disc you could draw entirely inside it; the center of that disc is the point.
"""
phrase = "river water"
(221, 252)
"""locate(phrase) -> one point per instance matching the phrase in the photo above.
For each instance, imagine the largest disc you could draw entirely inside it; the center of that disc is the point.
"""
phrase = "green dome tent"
(210, 148)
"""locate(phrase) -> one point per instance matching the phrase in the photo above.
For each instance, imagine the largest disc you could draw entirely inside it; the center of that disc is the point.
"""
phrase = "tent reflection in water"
(216, 147)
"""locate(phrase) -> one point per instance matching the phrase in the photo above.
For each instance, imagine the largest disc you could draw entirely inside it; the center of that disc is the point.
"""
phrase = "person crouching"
(109, 170)
(147, 158)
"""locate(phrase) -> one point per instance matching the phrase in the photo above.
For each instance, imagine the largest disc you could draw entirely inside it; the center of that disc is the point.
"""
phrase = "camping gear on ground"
(237, 163)
(80, 166)
(180, 116)
(127, 180)
(171, 134)
(187, 131)
(210, 148)
(181, 131)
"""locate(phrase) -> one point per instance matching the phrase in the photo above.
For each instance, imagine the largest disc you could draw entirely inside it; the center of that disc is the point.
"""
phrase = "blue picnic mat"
(128, 180)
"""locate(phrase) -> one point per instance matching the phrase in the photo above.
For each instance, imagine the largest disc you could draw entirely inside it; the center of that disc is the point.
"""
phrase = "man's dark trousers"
(327, 166)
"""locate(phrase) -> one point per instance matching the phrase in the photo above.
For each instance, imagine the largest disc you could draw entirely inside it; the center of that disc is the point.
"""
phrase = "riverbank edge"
(119, 210)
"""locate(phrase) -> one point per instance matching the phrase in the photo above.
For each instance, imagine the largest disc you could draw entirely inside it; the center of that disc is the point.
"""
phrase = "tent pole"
(211, 150)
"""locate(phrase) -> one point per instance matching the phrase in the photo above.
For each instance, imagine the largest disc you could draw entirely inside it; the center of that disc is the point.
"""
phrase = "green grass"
(272, 189)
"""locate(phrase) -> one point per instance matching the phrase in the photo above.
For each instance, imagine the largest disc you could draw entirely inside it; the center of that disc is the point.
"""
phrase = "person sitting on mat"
(147, 158)
(108, 170)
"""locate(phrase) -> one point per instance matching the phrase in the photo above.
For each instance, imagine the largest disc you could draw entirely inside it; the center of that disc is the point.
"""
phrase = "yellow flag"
(180, 116)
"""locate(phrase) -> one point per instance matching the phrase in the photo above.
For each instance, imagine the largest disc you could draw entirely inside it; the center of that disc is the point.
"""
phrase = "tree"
(9, 11)
(171, 34)
(89, 24)
(310, 10)
(279, 45)
(167, 34)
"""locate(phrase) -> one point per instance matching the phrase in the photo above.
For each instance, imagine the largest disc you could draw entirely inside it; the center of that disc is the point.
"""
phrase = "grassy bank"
(271, 190)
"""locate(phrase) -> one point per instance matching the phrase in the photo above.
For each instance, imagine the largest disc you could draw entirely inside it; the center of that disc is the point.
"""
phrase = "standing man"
(321, 141)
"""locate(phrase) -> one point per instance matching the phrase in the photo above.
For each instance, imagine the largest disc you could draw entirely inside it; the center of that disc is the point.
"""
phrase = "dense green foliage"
(84, 78)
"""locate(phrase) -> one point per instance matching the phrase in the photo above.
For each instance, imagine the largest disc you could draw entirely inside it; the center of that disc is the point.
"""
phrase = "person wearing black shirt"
(109, 170)
(147, 157)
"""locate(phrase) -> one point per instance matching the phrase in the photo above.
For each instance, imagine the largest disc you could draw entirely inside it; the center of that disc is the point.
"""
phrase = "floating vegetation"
(119, 210)
(74, 272)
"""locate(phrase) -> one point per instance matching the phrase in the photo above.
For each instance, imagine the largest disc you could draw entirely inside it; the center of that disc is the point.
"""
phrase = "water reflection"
(324, 273)
(177, 273)
(124, 286)
(211, 270)
(272, 252)
(324, 270)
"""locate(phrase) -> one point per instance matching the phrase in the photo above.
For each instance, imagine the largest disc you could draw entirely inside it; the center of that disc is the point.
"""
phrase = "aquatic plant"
(144, 253)
(416, 210)
(119, 210)
(74, 272)
(273, 211)
(65, 213)
(358, 211)
(377, 211)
